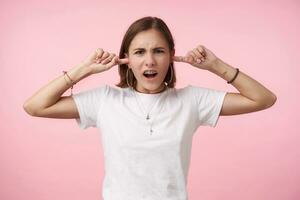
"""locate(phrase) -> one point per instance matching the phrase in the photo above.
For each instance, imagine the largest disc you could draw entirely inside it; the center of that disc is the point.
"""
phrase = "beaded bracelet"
(237, 72)
(72, 82)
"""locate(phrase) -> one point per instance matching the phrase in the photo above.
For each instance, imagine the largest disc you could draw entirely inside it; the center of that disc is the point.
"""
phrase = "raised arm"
(253, 95)
(49, 102)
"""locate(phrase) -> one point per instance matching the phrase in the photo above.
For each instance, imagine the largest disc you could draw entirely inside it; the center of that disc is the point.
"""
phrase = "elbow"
(266, 102)
(28, 109)
(270, 101)
(273, 100)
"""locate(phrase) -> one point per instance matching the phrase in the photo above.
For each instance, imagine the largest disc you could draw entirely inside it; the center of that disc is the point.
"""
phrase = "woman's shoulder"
(195, 90)
(189, 88)
(114, 91)
(199, 88)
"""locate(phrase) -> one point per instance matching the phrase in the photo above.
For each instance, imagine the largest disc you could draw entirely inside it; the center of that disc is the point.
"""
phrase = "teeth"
(150, 72)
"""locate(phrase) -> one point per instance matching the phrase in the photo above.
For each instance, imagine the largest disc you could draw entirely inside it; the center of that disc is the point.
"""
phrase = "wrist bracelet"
(72, 82)
(236, 74)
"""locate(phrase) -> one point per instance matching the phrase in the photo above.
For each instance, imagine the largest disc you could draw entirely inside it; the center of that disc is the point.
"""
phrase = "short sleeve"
(88, 104)
(209, 104)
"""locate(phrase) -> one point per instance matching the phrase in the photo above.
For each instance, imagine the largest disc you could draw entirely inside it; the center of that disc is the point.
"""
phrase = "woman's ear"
(172, 54)
(126, 56)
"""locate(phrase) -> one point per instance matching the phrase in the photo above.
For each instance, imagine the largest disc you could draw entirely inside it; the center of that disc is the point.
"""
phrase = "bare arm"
(253, 95)
(49, 102)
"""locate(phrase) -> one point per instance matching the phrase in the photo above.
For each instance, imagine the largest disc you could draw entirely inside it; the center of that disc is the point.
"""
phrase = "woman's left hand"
(199, 57)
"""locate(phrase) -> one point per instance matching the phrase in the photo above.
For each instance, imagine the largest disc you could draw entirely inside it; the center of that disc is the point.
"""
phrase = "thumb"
(123, 61)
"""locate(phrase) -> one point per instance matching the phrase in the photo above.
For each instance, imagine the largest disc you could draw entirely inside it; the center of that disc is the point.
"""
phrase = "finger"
(123, 61)
(199, 57)
(108, 59)
(178, 58)
(201, 49)
(194, 55)
(99, 52)
(93, 56)
(189, 58)
(101, 58)
(198, 53)
(104, 56)
(113, 62)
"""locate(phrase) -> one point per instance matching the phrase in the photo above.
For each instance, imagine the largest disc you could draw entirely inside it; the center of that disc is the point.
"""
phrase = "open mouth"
(150, 74)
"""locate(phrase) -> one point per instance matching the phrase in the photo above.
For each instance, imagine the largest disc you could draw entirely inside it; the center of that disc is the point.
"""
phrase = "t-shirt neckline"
(147, 94)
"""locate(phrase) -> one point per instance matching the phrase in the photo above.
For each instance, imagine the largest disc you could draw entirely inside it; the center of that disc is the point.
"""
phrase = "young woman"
(146, 123)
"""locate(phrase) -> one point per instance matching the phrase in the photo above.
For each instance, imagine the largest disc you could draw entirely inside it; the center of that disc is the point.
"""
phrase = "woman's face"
(149, 51)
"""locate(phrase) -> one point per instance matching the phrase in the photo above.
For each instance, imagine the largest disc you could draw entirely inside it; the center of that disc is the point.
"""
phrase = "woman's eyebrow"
(153, 48)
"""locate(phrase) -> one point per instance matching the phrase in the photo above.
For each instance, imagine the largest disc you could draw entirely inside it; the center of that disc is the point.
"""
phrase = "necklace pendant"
(147, 117)
(151, 131)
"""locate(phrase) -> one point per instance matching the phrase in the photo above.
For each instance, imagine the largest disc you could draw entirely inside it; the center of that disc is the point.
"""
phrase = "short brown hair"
(140, 25)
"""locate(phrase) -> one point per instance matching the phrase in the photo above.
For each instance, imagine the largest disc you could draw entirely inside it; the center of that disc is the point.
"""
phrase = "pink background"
(250, 156)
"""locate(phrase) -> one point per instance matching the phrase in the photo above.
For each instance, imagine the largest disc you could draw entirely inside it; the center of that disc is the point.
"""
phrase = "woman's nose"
(149, 60)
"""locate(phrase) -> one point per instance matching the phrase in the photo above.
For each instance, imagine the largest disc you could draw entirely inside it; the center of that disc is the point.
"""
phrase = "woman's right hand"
(101, 60)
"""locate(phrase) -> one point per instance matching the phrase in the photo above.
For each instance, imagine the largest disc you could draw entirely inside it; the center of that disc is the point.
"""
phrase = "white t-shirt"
(140, 165)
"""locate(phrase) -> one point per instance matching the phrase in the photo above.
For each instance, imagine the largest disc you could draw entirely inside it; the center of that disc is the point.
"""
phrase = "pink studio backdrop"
(250, 156)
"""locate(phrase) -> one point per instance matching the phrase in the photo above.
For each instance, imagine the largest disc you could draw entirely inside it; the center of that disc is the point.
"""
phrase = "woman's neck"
(161, 89)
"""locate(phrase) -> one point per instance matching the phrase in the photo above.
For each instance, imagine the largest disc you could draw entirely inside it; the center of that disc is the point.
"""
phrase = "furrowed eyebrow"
(153, 48)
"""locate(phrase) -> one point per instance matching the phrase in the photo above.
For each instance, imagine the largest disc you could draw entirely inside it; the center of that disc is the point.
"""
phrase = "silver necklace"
(144, 110)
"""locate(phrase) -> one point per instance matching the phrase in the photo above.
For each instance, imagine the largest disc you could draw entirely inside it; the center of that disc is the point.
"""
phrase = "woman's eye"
(160, 51)
(138, 52)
